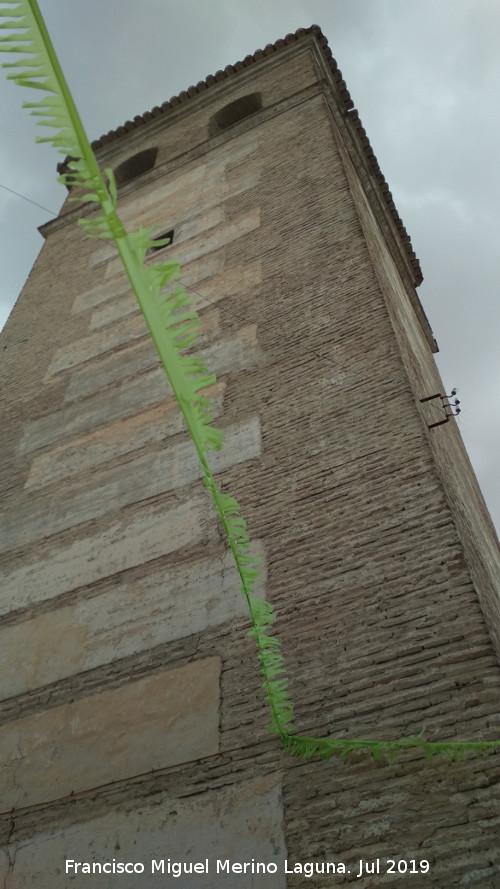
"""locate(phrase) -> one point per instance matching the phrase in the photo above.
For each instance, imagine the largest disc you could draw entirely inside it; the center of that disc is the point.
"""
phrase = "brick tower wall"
(133, 724)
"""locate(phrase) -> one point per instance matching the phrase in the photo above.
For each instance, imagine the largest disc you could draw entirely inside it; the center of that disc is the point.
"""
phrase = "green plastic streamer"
(173, 326)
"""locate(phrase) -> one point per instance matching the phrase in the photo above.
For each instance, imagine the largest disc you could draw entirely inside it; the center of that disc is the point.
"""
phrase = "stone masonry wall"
(132, 722)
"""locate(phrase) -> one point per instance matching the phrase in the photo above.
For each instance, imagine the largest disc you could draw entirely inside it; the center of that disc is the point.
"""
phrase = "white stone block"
(155, 722)
(238, 823)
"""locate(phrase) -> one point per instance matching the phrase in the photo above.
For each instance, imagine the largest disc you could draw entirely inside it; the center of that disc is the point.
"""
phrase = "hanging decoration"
(173, 326)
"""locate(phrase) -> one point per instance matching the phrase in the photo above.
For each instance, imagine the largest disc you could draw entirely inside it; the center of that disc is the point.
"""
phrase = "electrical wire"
(24, 198)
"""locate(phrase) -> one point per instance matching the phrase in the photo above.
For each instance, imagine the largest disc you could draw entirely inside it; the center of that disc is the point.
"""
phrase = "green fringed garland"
(172, 332)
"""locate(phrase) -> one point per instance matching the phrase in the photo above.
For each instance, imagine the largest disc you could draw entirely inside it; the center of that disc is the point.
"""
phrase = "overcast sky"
(425, 77)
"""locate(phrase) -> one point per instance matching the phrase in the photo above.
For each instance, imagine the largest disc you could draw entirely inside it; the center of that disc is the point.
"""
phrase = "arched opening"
(234, 112)
(135, 165)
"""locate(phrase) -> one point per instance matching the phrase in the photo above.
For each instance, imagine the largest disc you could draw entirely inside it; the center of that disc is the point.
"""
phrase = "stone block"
(158, 721)
(181, 210)
(82, 455)
(96, 296)
(151, 532)
(240, 823)
(131, 616)
(128, 482)
(206, 290)
(205, 243)
(233, 353)
(231, 283)
(198, 224)
(95, 344)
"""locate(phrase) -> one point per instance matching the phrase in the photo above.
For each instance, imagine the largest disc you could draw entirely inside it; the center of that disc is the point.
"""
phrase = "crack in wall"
(11, 852)
(19, 760)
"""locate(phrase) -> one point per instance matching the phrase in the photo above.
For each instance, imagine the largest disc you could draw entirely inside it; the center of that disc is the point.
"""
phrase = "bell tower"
(133, 726)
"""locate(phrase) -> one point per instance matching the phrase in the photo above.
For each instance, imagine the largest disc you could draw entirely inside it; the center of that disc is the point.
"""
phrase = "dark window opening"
(167, 236)
(234, 112)
(135, 165)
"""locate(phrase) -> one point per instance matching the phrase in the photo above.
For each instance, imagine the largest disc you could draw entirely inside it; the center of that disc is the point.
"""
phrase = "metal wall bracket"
(450, 410)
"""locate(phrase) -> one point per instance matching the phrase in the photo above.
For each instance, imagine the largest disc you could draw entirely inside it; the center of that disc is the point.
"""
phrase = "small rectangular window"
(167, 236)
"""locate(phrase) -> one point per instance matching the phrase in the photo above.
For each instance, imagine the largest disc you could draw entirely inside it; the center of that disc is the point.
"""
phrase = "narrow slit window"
(167, 236)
